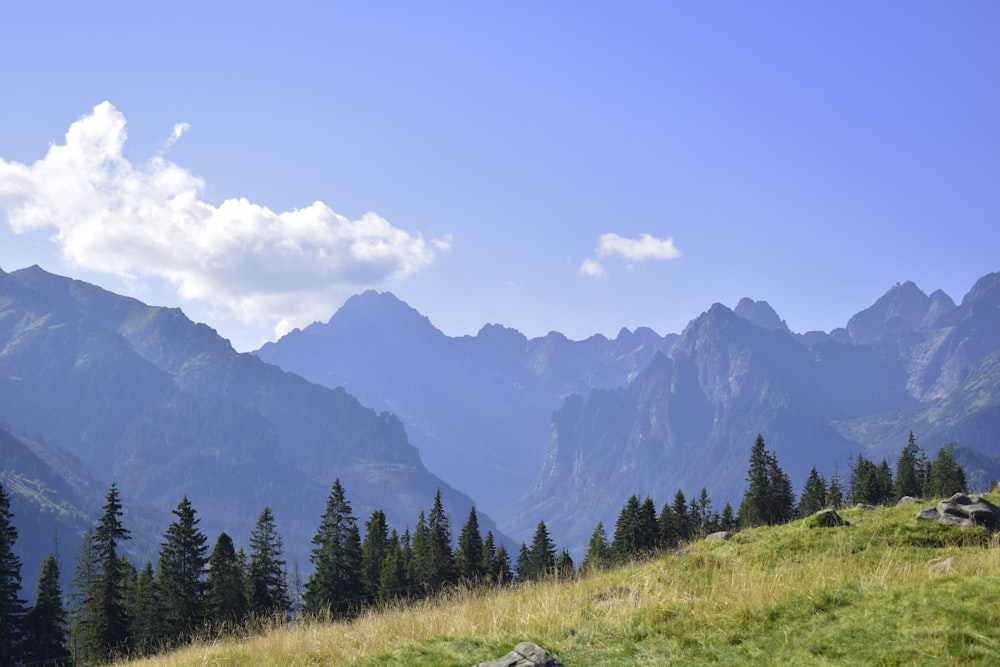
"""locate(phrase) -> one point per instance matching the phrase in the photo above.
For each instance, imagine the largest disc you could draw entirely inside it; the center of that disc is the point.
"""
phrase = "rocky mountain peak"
(986, 291)
(903, 307)
(761, 314)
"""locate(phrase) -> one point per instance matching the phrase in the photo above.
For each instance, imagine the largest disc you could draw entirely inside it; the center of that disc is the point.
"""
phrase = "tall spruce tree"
(225, 595)
(598, 554)
(489, 557)
(335, 586)
(266, 582)
(181, 574)
(392, 575)
(813, 497)
(947, 477)
(469, 556)
(373, 552)
(909, 477)
(83, 601)
(503, 573)
(419, 561)
(12, 607)
(109, 632)
(45, 623)
(542, 553)
(524, 570)
(769, 498)
(442, 559)
(625, 543)
(147, 628)
(682, 517)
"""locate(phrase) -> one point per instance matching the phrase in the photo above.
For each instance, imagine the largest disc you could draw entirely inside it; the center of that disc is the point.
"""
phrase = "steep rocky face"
(478, 407)
(166, 408)
(901, 309)
(761, 314)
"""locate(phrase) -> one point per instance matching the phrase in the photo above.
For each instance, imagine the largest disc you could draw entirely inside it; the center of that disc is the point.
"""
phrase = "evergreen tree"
(524, 565)
(598, 554)
(682, 519)
(503, 571)
(489, 557)
(419, 562)
(813, 497)
(147, 629)
(769, 498)
(392, 575)
(625, 543)
(870, 483)
(564, 565)
(82, 600)
(109, 632)
(225, 594)
(647, 535)
(12, 607)
(728, 519)
(835, 492)
(542, 553)
(45, 624)
(469, 557)
(442, 561)
(267, 589)
(667, 525)
(908, 476)
(704, 518)
(947, 477)
(181, 574)
(373, 552)
(335, 585)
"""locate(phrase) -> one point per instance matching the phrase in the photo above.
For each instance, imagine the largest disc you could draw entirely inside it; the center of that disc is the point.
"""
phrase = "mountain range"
(564, 431)
(97, 387)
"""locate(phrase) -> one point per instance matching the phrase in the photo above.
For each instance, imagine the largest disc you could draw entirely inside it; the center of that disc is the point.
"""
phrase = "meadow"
(884, 590)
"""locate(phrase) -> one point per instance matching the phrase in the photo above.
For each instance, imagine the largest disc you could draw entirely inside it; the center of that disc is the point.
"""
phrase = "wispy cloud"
(642, 249)
(265, 268)
(179, 129)
(591, 268)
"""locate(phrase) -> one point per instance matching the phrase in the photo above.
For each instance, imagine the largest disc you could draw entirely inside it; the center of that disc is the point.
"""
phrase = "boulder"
(964, 511)
(721, 535)
(906, 500)
(864, 506)
(828, 518)
(525, 654)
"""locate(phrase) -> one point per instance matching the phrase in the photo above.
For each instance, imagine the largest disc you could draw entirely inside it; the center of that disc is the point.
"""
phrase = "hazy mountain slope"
(166, 408)
(479, 406)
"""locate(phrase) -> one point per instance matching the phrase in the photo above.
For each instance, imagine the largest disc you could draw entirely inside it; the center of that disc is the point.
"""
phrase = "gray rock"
(964, 511)
(525, 654)
(829, 518)
(906, 500)
(721, 535)
(864, 506)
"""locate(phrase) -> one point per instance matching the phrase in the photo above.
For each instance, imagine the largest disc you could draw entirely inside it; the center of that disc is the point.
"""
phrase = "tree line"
(116, 609)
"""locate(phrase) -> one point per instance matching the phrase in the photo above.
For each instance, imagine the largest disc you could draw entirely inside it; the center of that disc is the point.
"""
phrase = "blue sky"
(548, 166)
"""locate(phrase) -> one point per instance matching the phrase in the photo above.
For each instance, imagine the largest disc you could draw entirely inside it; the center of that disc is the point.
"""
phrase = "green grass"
(863, 594)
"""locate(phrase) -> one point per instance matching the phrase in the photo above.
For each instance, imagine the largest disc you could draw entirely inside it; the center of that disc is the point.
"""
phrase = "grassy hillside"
(885, 590)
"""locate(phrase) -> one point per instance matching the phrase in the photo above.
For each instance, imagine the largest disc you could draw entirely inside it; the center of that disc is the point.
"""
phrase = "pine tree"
(728, 519)
(45, 624)
(504, 574)
(524, 565)
(267, 588)
(181, 574)
(682, 519)
(419, 562)
(647, 530)
(703, 515)
(542, 553)
(835, 493)
(813, 497)
(335, 586)
(109, 633)
(564, 565)
(225, 595)
(12, 607)
(442, 561)
(489, 557)
(147, 630)
(82, 600)
(625, 543)
(598, 554)
(469, 557)
(667, 527)
(769, 498)
(373, 552)
(392, 575)
(946, 474)
(908, 476)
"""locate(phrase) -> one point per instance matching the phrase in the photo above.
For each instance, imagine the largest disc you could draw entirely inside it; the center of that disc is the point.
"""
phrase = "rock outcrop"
(525, 654)
(828, 518)
(964, 511)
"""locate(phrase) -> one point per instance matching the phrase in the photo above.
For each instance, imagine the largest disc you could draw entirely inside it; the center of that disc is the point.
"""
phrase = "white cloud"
(592, 269)
(644, 248)
(179, 129)
(245, 261)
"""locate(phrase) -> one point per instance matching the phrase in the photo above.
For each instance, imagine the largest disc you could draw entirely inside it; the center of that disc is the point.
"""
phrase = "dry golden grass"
(795, 594)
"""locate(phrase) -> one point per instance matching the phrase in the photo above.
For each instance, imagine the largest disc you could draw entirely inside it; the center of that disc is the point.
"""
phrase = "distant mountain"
(478, 407)
(163, 406)
(910, 361)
